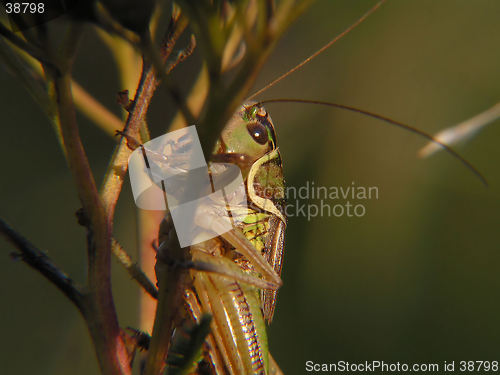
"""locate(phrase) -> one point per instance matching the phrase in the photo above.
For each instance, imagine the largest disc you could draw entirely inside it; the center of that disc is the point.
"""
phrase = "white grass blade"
(461, 132)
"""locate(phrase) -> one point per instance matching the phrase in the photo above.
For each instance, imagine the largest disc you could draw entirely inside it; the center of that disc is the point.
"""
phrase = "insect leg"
(219, 265)
(220, 328)
(236, 308)
(244, 246)
(196, 313)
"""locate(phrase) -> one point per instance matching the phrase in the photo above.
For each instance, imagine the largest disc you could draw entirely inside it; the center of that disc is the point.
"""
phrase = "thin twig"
(183, 54)
(32, 50)
(158, 64)
(95, 111)
(20, 64)
(84, 101)
(39, 261)
(113, 181)
(126, 57)
(107, 22)
(195, 100)
(133, 269)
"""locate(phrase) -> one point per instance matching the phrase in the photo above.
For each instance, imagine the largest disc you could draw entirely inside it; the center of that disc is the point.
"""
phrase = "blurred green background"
(414, 280)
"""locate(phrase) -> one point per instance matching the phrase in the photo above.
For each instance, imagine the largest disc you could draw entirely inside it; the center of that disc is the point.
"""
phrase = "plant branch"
(172, 281)
(39, 261)
(103, 322)
(182, 55)
(100, 311)
(19, 64)
(95, 111)
(113, 181)
(133, 269)
(224, 99)
(30, 49)
(29, 71)
(158, 64)
(107, 22)
(195, 100)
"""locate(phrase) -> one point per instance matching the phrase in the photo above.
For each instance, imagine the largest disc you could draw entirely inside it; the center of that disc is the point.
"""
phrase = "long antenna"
(320, 51)
(388, 120)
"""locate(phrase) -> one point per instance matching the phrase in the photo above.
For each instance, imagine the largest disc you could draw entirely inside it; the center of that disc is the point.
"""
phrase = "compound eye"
(258, 132)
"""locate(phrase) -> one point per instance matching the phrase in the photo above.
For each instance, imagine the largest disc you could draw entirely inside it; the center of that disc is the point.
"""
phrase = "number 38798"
(23, 8)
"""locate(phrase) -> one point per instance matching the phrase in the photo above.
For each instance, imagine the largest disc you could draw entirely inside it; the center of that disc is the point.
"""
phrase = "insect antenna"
(388, 120)
(320, 51)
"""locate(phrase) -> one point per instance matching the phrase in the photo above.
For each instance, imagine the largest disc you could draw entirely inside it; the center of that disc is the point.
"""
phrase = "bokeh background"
(414, 280)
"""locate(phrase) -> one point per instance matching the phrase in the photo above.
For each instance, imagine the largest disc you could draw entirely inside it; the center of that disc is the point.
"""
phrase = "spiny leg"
(212, 350)
(204, 262)
(220, 329)
(242, 305)
(242, 245)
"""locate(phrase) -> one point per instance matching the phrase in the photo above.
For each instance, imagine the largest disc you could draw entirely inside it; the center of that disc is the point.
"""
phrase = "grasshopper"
(235, 277)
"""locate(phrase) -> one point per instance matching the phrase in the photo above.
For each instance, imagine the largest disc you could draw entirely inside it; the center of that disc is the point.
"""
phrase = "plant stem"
(100, 311)
(32, 50)
(148, 83)
(39, 261)
(173, 278)
(133, 269)
(95, 111)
